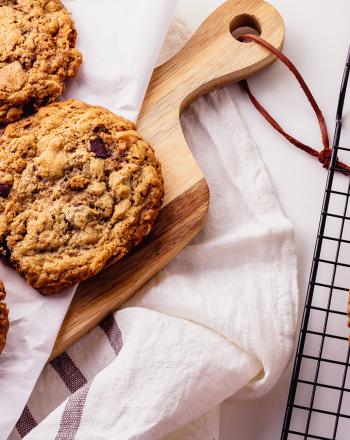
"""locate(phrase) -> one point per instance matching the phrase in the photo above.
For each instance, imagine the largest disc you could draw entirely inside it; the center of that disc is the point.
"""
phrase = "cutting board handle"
(213, 57)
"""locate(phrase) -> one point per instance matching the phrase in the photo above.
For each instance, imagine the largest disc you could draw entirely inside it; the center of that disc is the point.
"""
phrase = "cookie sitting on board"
(37, 55)
(4, 320)
(79, 188)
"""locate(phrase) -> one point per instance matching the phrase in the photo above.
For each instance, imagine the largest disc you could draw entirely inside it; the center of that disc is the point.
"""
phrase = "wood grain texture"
(211, 59)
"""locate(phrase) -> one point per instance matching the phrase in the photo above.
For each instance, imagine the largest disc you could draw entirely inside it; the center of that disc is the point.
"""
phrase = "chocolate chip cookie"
(79, 187)
(37, 55)
(4, 320)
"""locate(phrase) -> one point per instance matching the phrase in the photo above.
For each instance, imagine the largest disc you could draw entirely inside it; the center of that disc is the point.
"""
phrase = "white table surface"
(317, 39)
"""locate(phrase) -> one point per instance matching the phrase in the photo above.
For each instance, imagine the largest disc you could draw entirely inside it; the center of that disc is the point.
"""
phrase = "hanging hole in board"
(244, 24)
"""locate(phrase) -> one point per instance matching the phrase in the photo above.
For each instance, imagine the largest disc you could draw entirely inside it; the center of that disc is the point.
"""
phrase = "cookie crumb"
(4, 321)
(78, 182)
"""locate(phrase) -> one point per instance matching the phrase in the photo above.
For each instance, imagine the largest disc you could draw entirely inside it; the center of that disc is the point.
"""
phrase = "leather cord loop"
(325, 155)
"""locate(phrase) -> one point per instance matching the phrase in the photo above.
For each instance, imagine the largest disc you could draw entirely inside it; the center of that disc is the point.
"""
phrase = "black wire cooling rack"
(318, 404)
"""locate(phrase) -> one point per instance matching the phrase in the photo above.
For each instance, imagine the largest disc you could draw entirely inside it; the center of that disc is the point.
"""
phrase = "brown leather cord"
(324, 156)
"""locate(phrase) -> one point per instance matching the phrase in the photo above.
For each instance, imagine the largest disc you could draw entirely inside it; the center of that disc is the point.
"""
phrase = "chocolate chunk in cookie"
(4, 190)
(99, 147)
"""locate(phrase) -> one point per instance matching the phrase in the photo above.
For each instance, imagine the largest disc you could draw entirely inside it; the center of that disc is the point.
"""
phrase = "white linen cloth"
(217, 322)
(111, 38)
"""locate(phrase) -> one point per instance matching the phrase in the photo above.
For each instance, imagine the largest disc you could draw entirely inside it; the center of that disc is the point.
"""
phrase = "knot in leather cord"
(324, 157)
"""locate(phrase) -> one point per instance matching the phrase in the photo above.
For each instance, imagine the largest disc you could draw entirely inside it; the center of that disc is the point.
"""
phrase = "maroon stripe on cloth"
(71, 416)
(25, 423)
(110, 327)
(72, 377)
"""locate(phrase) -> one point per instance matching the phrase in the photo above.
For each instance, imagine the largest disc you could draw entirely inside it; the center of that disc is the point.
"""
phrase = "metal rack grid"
(318, 405)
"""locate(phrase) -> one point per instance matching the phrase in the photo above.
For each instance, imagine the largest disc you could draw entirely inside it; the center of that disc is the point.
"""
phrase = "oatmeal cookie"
(4, 320)
(37, 55)
(79, 187)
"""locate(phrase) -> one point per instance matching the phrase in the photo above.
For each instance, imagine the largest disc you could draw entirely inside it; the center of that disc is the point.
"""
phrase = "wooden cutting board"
(211, 59)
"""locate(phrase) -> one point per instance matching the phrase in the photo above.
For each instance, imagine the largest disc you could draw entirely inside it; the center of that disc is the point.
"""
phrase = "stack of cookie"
(79, 187)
